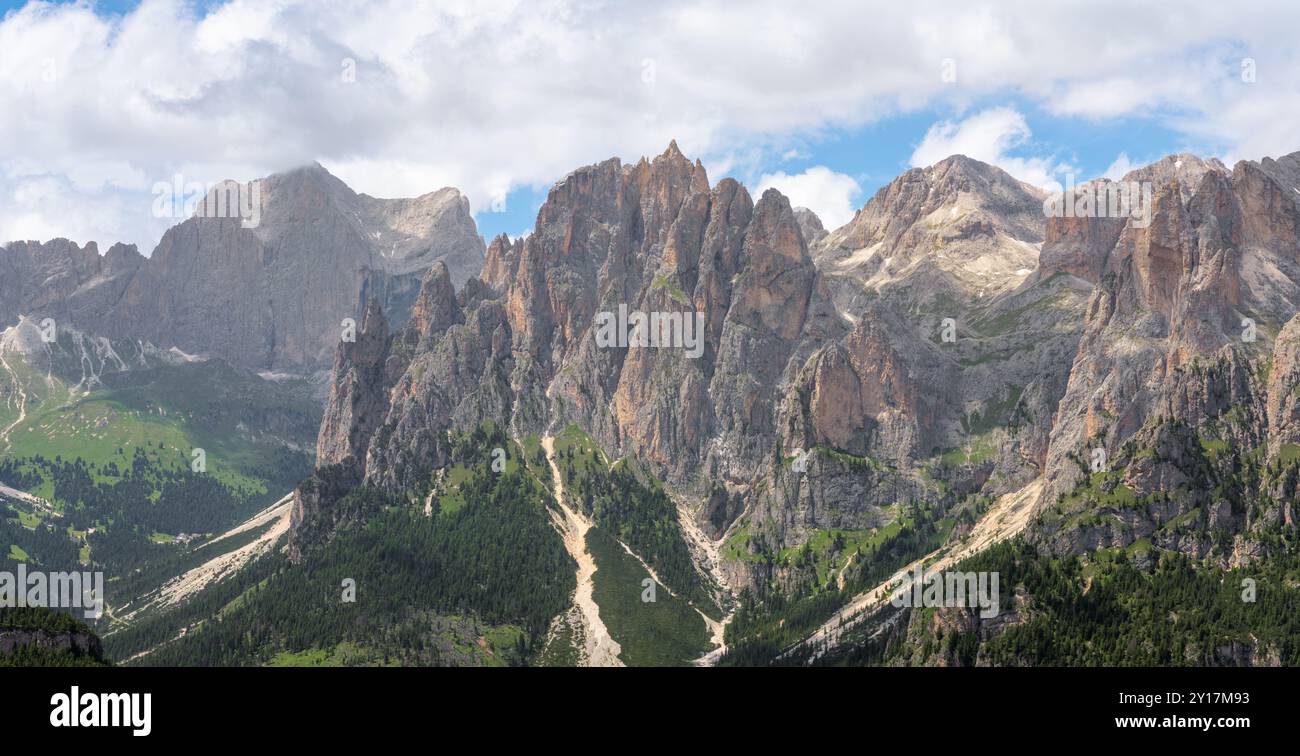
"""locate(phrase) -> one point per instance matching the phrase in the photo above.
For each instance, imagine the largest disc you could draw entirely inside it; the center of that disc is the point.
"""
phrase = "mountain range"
(270, 297)
(1103, 408)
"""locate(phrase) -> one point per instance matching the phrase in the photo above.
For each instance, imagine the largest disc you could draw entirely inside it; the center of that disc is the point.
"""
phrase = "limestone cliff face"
(1079, 244)
(270, 297)
(450, 368)
(778, 368)
(810, 226)
(1283, 398)
(957, 317)
(358, 394)
(365, 367)
(655, 237)
(520, 347)
(1215, 267)
(865, 398)
(779, 314)
(61, 280)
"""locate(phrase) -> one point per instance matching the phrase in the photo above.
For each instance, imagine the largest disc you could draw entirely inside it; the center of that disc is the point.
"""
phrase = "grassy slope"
(171, 410)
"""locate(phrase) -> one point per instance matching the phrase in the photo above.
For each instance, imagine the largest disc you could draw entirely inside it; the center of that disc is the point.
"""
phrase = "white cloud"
(482, 94)
(989, 136)
(1101, 99)
(1120, 167)
(832, 196)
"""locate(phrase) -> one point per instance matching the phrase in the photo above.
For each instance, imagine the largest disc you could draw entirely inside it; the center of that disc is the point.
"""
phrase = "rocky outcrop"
(1199, 278)
(75, 643)
(652, 237)
(450, 369)
(47, 637)
(865, 398)
(1182, 384)
(61, 280)
(810, 226)
(316, 512)
(779, 313)
(733, 280)
(358, 394)
(1283, 402)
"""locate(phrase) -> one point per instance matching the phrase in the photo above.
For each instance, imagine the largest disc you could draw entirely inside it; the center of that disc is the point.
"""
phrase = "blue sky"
(107, 7)
(827, 102)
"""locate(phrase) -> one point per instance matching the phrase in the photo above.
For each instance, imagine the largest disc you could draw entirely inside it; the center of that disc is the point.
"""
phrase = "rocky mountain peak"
(1184, 169)
(960, 227)
(497, 265)
(1286, 172)
(266, 289)
(650, 237)
(435, 307)
(59, 279)
(958, 174)
(809, 225)
(122, 257)
(357, 394)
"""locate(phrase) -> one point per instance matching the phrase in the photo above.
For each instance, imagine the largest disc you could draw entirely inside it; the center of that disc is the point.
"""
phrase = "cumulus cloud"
(1120, 167)
(43, 206)
(989, 136)
(832, 196)
(400, 97)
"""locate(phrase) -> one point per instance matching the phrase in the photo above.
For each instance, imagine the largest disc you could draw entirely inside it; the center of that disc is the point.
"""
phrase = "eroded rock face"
(448, 370)
(861, 391)
(779, 314)
(966, 322)
(520, 348)
(81, 644)
(779, 369)
(1079, 244)
(655, 237)
(810, 226)
(270, 297)
(1194, 282)
(61, 280)
(358, 395)
(1283, 403)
